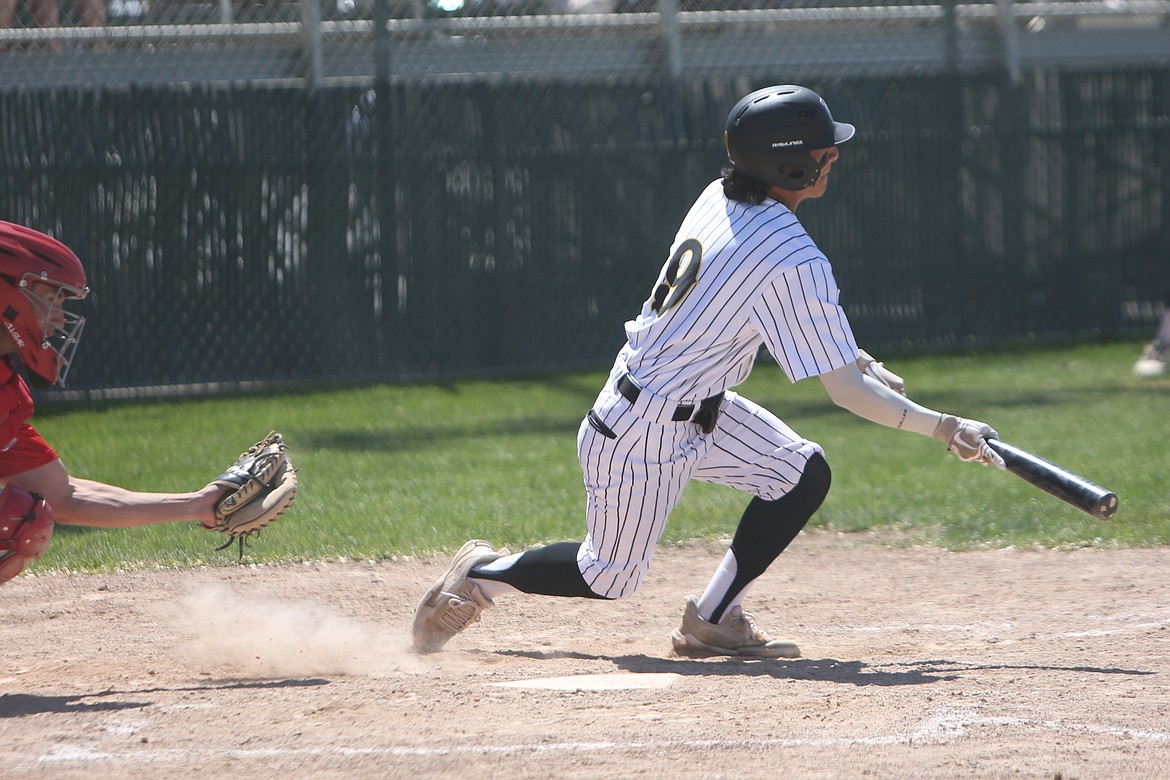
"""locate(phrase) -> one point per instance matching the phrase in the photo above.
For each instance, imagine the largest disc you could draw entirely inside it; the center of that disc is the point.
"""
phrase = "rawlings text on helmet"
(771, 132)
(12, 331)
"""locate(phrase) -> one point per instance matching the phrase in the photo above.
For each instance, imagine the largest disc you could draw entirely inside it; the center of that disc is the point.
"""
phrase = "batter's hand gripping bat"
(1068, 487)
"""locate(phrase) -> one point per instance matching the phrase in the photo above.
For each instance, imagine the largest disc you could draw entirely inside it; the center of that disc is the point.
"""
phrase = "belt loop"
(628, 389)
(708, 414)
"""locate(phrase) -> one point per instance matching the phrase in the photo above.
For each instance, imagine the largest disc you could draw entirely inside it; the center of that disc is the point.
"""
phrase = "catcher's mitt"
(261, 485)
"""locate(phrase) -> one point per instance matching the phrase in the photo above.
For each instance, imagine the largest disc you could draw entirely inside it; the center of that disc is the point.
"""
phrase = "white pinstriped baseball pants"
(636, 478)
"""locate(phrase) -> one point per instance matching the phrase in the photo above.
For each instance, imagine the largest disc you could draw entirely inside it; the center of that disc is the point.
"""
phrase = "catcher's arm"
(258, 488)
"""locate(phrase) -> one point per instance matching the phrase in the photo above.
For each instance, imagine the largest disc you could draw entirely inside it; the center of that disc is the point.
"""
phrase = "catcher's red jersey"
(21, 447)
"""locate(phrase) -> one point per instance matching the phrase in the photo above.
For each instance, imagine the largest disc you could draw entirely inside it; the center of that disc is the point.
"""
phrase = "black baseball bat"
(1071, 488)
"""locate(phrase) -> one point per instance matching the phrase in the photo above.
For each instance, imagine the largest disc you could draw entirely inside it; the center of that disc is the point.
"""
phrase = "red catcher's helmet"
(46, 335)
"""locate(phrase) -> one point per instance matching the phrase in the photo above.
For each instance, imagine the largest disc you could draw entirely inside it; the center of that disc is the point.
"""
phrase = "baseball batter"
(742, 273)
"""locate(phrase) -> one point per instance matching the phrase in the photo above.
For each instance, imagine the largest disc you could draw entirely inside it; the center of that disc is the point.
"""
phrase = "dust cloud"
(244, 634)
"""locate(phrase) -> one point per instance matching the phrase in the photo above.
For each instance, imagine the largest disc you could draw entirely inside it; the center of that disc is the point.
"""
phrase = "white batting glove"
(968, 440)
(876, 370)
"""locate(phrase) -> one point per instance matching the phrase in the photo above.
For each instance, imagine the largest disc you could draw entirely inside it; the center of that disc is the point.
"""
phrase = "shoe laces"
(744, 623)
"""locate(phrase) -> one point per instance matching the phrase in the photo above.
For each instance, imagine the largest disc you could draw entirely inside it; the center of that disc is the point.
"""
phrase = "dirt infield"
(918, 663)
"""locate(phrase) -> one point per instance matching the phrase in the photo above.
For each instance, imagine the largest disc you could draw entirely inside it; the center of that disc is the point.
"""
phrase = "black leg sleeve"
(548, 571)
(767, 527)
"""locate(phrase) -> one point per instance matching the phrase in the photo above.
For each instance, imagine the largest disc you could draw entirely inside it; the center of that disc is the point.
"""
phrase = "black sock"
(767, 527)
(549, 571)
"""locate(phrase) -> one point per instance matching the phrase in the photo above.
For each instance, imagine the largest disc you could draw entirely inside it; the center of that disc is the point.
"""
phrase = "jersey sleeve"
(802, 323)
(27, 451)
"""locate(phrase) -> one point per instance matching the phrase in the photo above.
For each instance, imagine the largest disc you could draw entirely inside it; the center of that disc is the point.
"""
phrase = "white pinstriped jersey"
(739, 275)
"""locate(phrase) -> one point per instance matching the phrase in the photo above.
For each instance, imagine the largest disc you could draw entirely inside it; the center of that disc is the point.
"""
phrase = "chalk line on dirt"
(945, 724)
(1147, 623)
(596, 682)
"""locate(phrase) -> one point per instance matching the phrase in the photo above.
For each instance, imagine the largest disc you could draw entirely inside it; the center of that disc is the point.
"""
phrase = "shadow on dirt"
(15, 705)
(831, 670)
(819, 669)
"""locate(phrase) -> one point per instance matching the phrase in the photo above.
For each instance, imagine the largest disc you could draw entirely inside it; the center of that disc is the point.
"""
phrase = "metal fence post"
(668, 11)
(382, 41)
(311, 41)
(672, 65)
(385, 192)
(1010, 35)
(950, 36)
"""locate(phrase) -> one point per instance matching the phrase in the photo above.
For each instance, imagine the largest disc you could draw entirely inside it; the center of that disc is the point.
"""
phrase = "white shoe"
(454, 601)
(1151, 363)
(736, 634)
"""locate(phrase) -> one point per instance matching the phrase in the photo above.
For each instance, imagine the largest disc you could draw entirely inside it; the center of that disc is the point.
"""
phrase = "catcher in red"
(40, 280)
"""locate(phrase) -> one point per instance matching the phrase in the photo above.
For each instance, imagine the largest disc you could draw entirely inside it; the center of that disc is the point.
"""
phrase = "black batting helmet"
(778, 126)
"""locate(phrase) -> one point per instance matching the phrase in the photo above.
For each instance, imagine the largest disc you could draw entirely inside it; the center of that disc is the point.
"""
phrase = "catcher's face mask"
(55, 331)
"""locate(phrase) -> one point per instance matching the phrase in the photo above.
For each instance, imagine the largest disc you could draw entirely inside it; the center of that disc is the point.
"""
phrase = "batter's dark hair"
(743, 188)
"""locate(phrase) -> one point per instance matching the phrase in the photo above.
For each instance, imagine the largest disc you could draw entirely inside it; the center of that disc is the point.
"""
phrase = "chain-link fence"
(107, 42)
(443, 187)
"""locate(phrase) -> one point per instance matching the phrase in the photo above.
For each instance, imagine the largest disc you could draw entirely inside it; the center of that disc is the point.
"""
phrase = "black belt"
(682, 412)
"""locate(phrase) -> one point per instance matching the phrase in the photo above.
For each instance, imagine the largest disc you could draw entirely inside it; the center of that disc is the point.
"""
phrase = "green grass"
(413, 469)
